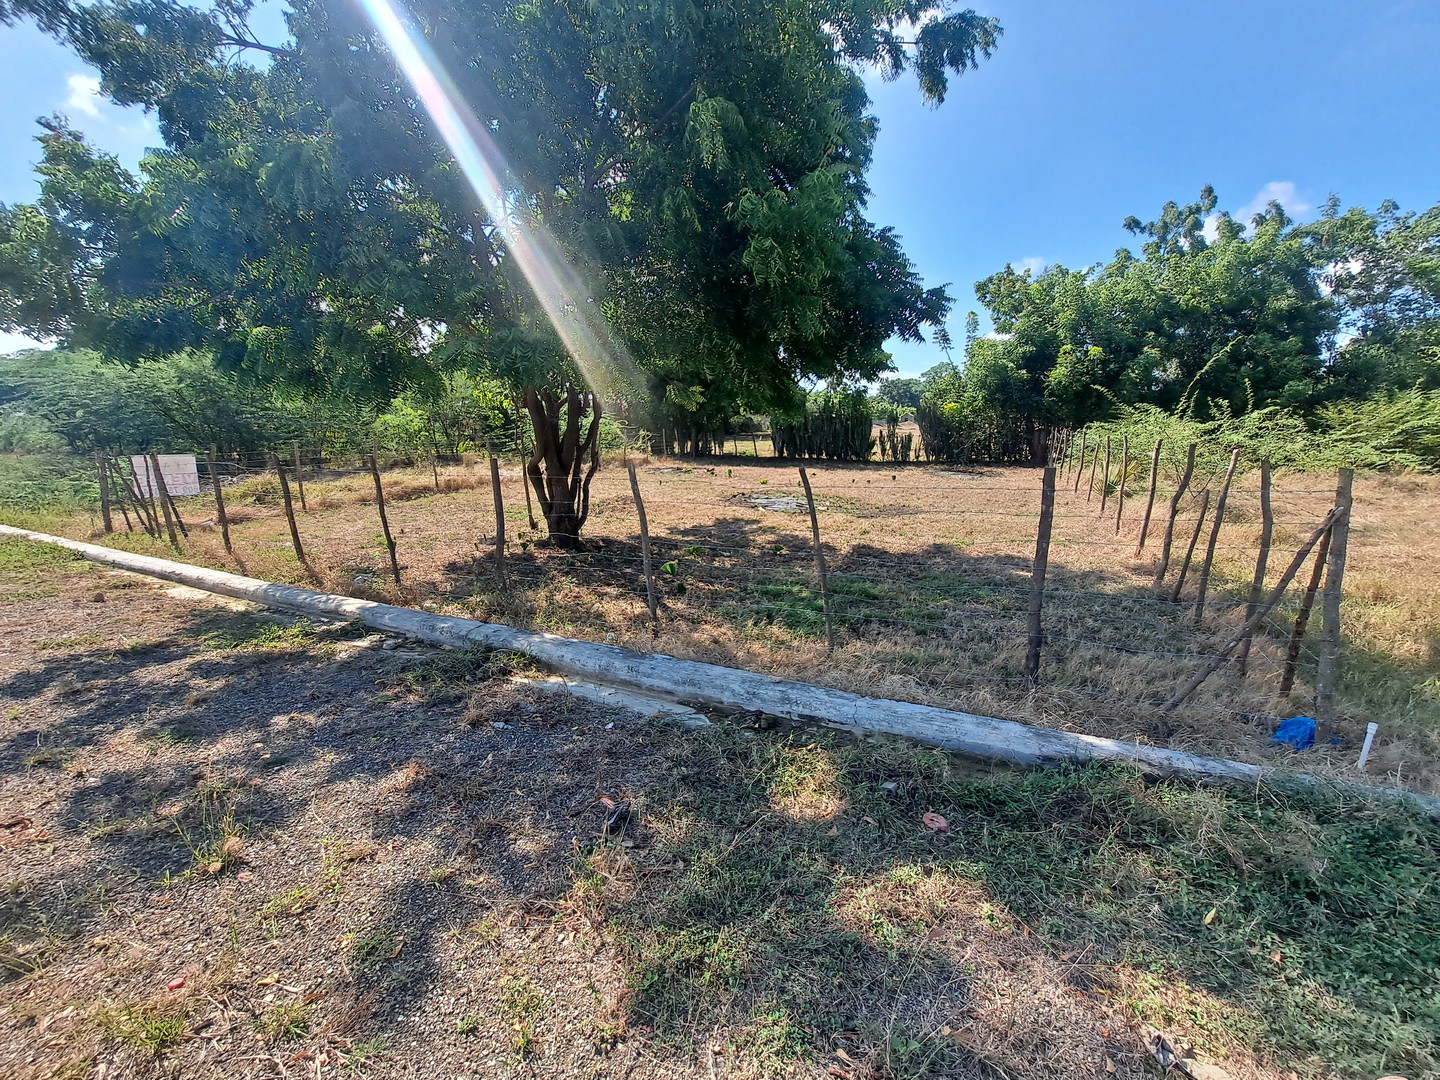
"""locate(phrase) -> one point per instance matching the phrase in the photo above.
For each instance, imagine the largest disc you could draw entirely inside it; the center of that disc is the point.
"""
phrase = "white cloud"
(84, 94)
(1281, 191)
(1031, 263)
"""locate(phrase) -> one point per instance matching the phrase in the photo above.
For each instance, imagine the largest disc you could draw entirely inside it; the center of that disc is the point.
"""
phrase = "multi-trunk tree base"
(564, 460)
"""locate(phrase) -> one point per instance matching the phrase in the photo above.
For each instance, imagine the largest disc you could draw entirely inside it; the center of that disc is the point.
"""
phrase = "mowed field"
(929, 573)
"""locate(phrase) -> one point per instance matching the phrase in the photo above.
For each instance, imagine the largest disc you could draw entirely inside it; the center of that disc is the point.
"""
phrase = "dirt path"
(338, 868)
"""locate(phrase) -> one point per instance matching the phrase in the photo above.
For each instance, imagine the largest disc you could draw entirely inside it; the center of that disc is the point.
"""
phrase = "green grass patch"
(243, 631)
(284, 1020)
(790, 919)
(371, 949)
(145, 1027)
(19, 555)
(449, 672)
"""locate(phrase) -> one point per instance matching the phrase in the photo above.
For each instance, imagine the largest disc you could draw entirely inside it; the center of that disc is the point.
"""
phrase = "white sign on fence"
(177, 470)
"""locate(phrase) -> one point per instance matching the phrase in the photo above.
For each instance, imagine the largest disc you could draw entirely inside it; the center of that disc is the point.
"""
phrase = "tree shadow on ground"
(424, 862)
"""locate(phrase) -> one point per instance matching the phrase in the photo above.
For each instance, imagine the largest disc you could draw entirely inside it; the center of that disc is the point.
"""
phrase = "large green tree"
(695, 173)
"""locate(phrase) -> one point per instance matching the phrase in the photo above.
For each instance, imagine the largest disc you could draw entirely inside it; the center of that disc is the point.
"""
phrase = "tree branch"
(245, 43)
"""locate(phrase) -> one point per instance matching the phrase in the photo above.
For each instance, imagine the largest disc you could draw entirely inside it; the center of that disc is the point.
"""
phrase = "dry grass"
(429, 883)
(929, 569)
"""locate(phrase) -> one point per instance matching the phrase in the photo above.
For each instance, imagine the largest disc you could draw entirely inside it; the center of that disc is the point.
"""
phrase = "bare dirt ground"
(235, 846)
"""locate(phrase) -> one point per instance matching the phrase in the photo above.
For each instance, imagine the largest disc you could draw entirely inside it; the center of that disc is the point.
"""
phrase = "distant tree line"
(1212, 319)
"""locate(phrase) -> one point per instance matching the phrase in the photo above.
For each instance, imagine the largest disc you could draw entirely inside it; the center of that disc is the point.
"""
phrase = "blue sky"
(1086, 113)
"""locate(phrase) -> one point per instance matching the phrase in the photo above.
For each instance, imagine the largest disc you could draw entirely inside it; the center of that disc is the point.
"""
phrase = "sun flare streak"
(562, 294)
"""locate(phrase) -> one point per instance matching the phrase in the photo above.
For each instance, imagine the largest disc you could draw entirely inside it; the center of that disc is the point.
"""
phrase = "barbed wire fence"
(1050, 609)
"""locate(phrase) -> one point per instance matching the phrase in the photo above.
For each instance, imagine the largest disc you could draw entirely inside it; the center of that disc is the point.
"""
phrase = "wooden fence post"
(434, 460)
(1190, 551)
(157, 486)
(104, 494)
(220, 518)
(1214, 536)
(1325, 676)
(1037, 575)
(300, 478)
(117, 487)
(130, 485)
(169, 499)
(819, 560)
(650, 595)
(290, 515)
(499, 515)
(1302, 620)
(1251, 623)
(1170, 520)
(1120, 493)
(1150, 499)
(1262, 558)
(525, 475)
(1080, 472)
(384, 519)
(147, 495)
(1105, 480)
(1094, 462)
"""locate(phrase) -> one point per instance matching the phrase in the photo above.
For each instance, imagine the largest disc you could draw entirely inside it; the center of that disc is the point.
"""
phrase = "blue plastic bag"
(1298, 733)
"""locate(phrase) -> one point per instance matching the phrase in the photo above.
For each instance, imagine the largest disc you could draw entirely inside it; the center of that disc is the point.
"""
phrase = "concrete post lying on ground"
(694, 683)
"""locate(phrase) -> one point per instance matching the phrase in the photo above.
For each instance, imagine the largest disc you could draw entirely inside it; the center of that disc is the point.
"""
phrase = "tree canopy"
(695, 176)
(1211, 318)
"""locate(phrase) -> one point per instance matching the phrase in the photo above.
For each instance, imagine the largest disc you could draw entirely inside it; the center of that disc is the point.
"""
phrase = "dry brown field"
(929, 570)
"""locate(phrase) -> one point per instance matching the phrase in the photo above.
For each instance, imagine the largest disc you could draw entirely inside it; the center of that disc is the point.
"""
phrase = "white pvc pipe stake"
(1370, 730)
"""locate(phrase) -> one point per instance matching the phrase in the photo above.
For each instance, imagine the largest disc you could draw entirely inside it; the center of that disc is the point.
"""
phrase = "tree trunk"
(557, 469)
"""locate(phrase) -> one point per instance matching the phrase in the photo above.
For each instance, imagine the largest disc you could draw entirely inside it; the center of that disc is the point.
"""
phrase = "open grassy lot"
(929, 574)
(233, 846)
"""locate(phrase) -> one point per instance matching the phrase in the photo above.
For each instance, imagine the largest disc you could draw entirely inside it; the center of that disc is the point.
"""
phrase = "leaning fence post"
(1214, 536)
(1251, 623)
(131, 486)
(650, 596)
(1302, 620)
(290, 515)
(169, 499)
(107, 469)
(1330, 599)
(1262, 558)
(157, 485)
(147, 495)
(499, 515)
(1149, 500)
(300, 478)
(1105, 480)
(1037, 575)
(525, 475)
(819, 560)
(1170, 520)
(1080, 471)
(220, 518)
(384, 519)
(104, 494)
(1190, 551)
(1094, 462)
(1120, 491)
